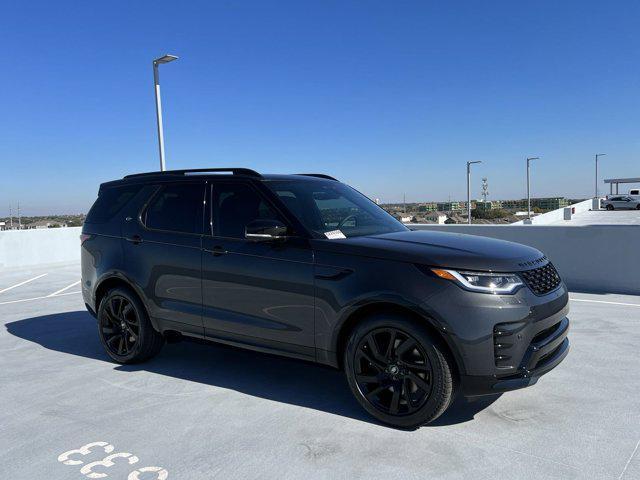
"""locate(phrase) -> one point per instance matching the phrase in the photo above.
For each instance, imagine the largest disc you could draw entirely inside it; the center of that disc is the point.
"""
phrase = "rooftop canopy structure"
(617, 181)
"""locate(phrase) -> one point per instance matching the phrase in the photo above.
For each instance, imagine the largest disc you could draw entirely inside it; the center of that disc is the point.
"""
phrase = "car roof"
(213, 173)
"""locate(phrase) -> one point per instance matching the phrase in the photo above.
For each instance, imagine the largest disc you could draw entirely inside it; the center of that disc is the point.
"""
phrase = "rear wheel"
(609, 207)
(397, 372)
(124, 328)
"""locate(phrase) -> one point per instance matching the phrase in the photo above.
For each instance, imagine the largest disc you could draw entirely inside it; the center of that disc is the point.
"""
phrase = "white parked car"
(621, 202)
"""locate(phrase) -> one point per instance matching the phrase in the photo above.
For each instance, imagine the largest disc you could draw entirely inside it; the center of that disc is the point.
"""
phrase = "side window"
(234, 206)
(177, 208)
(110, 201)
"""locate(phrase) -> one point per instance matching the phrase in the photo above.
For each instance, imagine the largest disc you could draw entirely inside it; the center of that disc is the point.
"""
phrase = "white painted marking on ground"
(108, 462)
(38, 298)
(629, 461)
(21, 283)
(83, 450)
(605, 302)
(64, 289)
(161, 472)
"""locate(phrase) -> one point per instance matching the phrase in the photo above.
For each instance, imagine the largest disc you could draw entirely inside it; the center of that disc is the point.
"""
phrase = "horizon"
(392, 99)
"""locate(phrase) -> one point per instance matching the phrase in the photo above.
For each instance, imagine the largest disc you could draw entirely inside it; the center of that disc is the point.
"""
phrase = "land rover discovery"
(305, 266)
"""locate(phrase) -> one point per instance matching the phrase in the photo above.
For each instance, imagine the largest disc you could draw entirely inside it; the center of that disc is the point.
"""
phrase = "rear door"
(255, 293)
(163, 254)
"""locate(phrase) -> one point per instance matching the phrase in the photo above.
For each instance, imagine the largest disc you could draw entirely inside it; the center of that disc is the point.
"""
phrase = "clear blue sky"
(392, 97)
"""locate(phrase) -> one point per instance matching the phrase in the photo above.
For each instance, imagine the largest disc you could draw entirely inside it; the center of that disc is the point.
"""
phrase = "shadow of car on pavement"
(266, 376)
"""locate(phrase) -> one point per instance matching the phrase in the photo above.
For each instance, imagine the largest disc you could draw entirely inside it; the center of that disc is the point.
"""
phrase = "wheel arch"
(114, 280)
(385, 306)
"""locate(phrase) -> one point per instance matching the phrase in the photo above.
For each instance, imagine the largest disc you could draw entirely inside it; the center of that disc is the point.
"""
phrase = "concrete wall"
(20, 248)
(599, 258)
(603, 258)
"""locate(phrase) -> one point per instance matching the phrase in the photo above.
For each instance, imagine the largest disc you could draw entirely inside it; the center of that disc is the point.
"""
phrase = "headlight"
(497, 283)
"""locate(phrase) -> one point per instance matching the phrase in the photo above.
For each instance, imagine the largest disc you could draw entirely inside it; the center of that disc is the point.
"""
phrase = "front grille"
(542, 280)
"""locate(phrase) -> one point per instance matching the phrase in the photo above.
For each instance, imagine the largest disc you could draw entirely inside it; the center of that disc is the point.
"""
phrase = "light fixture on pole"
(598, 155)
(469, 189)
(156, 82)
(529, 187)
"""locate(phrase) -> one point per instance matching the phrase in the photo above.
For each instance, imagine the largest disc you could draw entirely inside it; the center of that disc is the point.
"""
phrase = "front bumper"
(523, 351)
(473, 385)
(503, 342)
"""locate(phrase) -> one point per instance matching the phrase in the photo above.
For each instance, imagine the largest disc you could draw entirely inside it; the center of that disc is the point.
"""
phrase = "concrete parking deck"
(198, 412)
(601, 217)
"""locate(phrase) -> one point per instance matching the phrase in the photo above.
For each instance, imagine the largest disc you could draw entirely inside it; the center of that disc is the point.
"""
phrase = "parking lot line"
(21, 283)
(605, 302)
(38, 298)
(63, 289)
(626, 465)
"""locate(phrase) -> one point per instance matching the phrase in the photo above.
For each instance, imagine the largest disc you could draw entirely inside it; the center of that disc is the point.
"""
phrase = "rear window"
(177, 208)
(110, 201)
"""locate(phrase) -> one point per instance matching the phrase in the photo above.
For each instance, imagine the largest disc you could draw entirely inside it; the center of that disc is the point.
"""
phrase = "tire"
(638, 207)
(124, 328)
(403, 385)
(609, 207)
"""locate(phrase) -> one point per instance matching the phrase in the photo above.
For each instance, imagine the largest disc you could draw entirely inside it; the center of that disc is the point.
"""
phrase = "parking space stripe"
(38, 298)
(605, 302)
(21, 283)
(63, 289)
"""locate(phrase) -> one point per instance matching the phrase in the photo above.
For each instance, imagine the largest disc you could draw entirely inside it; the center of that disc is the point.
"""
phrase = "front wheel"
(397, 372)
(609, 207)
(124, 328)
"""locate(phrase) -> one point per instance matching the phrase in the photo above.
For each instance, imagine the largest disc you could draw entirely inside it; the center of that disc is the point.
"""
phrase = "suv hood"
(441, 249)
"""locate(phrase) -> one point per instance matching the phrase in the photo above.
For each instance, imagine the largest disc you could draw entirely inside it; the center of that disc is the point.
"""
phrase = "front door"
(255, 293)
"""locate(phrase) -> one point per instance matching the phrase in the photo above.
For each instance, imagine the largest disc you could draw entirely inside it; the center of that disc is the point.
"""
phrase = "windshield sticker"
(333, 234)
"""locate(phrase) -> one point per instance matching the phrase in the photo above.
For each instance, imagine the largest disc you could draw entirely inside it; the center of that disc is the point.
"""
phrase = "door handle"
(217, 251)
(135, 239)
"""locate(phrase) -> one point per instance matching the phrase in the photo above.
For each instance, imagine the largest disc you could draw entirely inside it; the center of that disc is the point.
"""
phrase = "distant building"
(436, 217)
(552, 203)
(489, 205)
(514, 204)
(451, 206)
(406, 219)
(548, 203)
(44, 224)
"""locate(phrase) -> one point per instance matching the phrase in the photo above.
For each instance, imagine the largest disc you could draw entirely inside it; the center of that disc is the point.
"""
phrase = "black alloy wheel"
(393, 371)
(399, 372)
(609, 207)
(124, 327)
(120, 326)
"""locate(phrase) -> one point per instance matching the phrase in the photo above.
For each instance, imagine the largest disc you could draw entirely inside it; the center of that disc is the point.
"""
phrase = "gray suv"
(305, 266)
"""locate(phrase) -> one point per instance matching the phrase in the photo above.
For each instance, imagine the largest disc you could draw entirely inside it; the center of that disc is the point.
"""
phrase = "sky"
(391, 97)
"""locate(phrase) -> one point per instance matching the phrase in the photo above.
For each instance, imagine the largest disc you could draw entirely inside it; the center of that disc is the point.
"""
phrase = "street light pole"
(529, 187)
(156, 82)
(598, 155)
(469, 190)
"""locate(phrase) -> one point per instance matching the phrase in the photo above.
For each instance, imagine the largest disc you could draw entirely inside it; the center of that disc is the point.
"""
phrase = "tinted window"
(326, 206)
(110, 201)
(234, 206)
(177, 208)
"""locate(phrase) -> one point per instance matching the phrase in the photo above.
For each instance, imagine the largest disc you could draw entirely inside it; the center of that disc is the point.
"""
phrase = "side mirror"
(265, 230)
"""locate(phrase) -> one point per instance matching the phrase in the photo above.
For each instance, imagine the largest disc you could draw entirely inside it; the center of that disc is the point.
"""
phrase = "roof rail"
(319, 175)
(235, 171)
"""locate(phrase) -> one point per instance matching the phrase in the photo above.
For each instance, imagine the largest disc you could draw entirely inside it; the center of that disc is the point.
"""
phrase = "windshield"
(331, 209)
